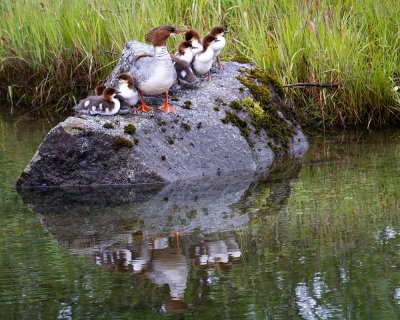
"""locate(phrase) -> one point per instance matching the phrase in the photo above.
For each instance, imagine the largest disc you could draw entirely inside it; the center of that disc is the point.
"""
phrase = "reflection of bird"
(155, 74)
(220, 252)
(140, 262)
(219, 34)
(105, 105)
(170, 266)
(202, 61)
(184, 51)
(194, 38)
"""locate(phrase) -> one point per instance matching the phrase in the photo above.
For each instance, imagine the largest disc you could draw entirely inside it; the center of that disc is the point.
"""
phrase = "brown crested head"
(183, 46)
(126, 77)
(109, 93)
(207, 41)
(158, 36)
(192, 34)
(217, 30)
(99, 90)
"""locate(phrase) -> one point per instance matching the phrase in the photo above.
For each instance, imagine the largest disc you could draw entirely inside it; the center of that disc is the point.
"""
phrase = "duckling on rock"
(202, 61)
(127, 89)
(125, 108)
(184, 72)
(184, 51)
(105, 105)
(193, 37)
(219, 34)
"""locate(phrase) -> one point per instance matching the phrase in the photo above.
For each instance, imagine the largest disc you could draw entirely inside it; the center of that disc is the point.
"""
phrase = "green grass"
(53, 52)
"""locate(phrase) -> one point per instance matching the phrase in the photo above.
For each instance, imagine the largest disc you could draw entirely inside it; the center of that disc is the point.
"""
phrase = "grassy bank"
(52, 52)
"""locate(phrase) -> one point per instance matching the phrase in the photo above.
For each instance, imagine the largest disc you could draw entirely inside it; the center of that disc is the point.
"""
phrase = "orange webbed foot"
(167, 108)
(144, 108)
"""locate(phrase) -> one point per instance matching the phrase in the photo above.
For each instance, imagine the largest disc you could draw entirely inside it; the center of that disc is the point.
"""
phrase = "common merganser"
(127, 89)
(184, 71)
(218, 32)
(105, 105)
(184, 51)
(125, 108)
(99, 90)
(202, 62)
(194, 38)
(155, 74)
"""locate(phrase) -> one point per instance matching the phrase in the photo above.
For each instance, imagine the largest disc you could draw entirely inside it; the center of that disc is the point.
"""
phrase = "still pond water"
(321, 241)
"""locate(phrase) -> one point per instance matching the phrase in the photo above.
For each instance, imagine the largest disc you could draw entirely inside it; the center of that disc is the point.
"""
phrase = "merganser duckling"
(99, 90)
(127, 89)
(183, 70)
(202, 62)
(218, 32)
(184, 51)
(193, 37)
(156, 74)
(105, 105)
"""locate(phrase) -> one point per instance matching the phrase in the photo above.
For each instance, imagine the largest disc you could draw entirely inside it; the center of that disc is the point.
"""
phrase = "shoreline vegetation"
(52, 53)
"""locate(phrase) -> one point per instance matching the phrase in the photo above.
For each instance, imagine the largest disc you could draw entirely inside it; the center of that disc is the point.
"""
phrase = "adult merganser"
(218, 32)
(127, 89)
(202, 62)
(184, 51)
(193, 37)
(155, 74)
(105, 105)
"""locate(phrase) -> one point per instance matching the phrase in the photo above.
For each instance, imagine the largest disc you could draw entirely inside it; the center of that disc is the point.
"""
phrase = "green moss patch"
(170, 140)
(231, 117)
(241, 59)
(220, 101)
(121, 142)
(264, 113)
(187, 105)
(108, 125)
(186, 126)
(130, 129)
(236, 105)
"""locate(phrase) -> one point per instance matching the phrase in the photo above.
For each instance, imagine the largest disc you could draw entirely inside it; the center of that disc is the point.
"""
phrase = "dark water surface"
(321, 241)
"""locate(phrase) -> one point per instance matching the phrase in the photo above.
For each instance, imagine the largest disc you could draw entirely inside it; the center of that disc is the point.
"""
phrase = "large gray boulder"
(218, 129)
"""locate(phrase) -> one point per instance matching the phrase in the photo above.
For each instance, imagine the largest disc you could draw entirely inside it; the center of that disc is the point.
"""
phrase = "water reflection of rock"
(160, 231)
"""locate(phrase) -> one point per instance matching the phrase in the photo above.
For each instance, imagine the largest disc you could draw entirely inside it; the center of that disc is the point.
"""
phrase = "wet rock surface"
(157, 147)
